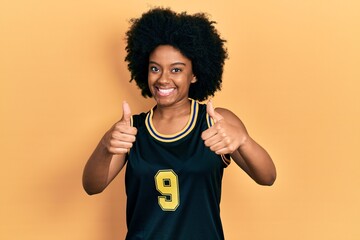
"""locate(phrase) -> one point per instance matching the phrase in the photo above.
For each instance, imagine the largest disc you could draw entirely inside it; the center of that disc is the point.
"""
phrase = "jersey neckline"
(176, 136)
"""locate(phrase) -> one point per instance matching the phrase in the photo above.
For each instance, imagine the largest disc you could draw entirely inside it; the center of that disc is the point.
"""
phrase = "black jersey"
(173, 182)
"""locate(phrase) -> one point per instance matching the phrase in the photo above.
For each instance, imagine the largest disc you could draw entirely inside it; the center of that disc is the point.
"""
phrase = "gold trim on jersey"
(226, 160)
(210, 123)
(179, 135)
(209, 120)
(131, 121)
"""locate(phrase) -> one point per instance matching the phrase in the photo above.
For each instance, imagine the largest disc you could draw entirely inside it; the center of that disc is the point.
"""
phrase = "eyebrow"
(175, 63)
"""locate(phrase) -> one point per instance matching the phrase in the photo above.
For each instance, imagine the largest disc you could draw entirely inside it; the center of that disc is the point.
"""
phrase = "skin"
(169, 77)
(229, 136)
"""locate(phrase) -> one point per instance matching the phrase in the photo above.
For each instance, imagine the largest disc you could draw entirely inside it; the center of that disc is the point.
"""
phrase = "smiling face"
(170, 75)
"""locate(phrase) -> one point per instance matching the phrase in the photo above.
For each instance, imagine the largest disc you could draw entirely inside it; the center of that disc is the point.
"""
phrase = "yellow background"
(292, 77)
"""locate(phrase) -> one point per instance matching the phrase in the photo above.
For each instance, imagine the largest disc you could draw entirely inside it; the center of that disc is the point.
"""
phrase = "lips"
(164, 91)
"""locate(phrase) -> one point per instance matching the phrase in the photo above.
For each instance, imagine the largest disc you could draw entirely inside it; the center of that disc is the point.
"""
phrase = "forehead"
(167, 53)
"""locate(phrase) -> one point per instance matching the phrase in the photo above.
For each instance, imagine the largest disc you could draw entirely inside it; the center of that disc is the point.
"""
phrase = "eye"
(154, 69)
(176, 70)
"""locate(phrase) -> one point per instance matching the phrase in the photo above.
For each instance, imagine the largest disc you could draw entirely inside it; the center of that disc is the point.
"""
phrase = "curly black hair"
(193, 35)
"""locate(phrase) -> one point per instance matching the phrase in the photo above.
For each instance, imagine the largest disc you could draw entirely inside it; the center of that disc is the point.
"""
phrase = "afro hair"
(193, 35)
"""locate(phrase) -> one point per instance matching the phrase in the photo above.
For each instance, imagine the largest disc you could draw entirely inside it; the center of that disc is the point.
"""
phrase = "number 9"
(166, 182)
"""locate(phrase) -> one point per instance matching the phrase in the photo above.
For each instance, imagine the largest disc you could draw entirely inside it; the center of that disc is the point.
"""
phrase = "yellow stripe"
(209, 120)
(179, 135)
(225, 160)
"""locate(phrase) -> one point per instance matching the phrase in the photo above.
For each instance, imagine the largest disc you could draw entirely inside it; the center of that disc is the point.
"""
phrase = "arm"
(229, 136)
(109, 156)
(101, 169)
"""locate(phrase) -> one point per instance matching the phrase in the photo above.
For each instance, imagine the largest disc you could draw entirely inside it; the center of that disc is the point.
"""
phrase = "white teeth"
(166, 91)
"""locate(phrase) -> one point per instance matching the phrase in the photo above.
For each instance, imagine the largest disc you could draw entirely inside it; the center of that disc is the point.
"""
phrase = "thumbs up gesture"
(227, 133)
(120, 138)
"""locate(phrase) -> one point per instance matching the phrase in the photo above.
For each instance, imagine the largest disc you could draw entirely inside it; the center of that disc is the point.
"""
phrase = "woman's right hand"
(120, 138)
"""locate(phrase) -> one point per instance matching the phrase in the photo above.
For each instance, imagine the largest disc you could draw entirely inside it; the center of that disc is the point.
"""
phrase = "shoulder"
(228, 115)
(138, 119)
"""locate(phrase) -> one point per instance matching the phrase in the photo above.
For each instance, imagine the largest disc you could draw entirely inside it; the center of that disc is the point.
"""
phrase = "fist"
(120, 138)
(223, 137)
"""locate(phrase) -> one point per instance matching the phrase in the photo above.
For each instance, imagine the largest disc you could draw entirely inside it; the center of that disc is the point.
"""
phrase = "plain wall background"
(292, 77)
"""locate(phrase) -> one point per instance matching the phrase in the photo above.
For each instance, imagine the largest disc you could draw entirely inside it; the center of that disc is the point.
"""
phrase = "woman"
(176, 152)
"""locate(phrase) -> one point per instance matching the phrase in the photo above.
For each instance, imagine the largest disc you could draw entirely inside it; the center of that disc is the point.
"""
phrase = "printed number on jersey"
(167, 184)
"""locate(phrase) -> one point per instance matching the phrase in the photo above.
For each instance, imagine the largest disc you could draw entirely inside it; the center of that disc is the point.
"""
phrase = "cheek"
(149, 83)
(151, 79)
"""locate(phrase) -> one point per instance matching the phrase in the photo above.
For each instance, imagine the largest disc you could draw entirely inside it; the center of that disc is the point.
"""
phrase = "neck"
(173, 111)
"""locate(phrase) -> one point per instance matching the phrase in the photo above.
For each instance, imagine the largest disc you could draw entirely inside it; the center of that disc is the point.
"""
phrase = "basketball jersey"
(173, 182)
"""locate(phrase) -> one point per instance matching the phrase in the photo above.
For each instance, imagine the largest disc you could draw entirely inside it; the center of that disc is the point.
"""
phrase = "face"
(170, 75)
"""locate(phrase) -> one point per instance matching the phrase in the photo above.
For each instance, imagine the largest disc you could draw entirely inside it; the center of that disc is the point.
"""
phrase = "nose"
(164, 77)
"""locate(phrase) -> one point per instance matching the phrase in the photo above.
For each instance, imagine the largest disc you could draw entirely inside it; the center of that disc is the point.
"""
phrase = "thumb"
(212, 113)
(126, 118)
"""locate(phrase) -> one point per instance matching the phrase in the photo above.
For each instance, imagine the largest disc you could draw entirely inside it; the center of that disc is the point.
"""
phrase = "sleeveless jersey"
(173, 182)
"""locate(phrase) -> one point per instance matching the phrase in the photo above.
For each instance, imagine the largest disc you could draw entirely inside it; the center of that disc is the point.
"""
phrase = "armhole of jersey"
(131, 121)
(132, 125)
(224, 157)
(209, 121)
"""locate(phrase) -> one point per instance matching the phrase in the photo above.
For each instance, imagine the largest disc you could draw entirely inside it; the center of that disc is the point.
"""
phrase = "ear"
(194, 80)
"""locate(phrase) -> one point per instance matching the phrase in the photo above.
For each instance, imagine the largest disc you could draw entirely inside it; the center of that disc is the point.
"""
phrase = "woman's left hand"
(227, 134)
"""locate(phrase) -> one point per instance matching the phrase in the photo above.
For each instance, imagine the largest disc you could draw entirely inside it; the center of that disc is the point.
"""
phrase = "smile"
(165, 91)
